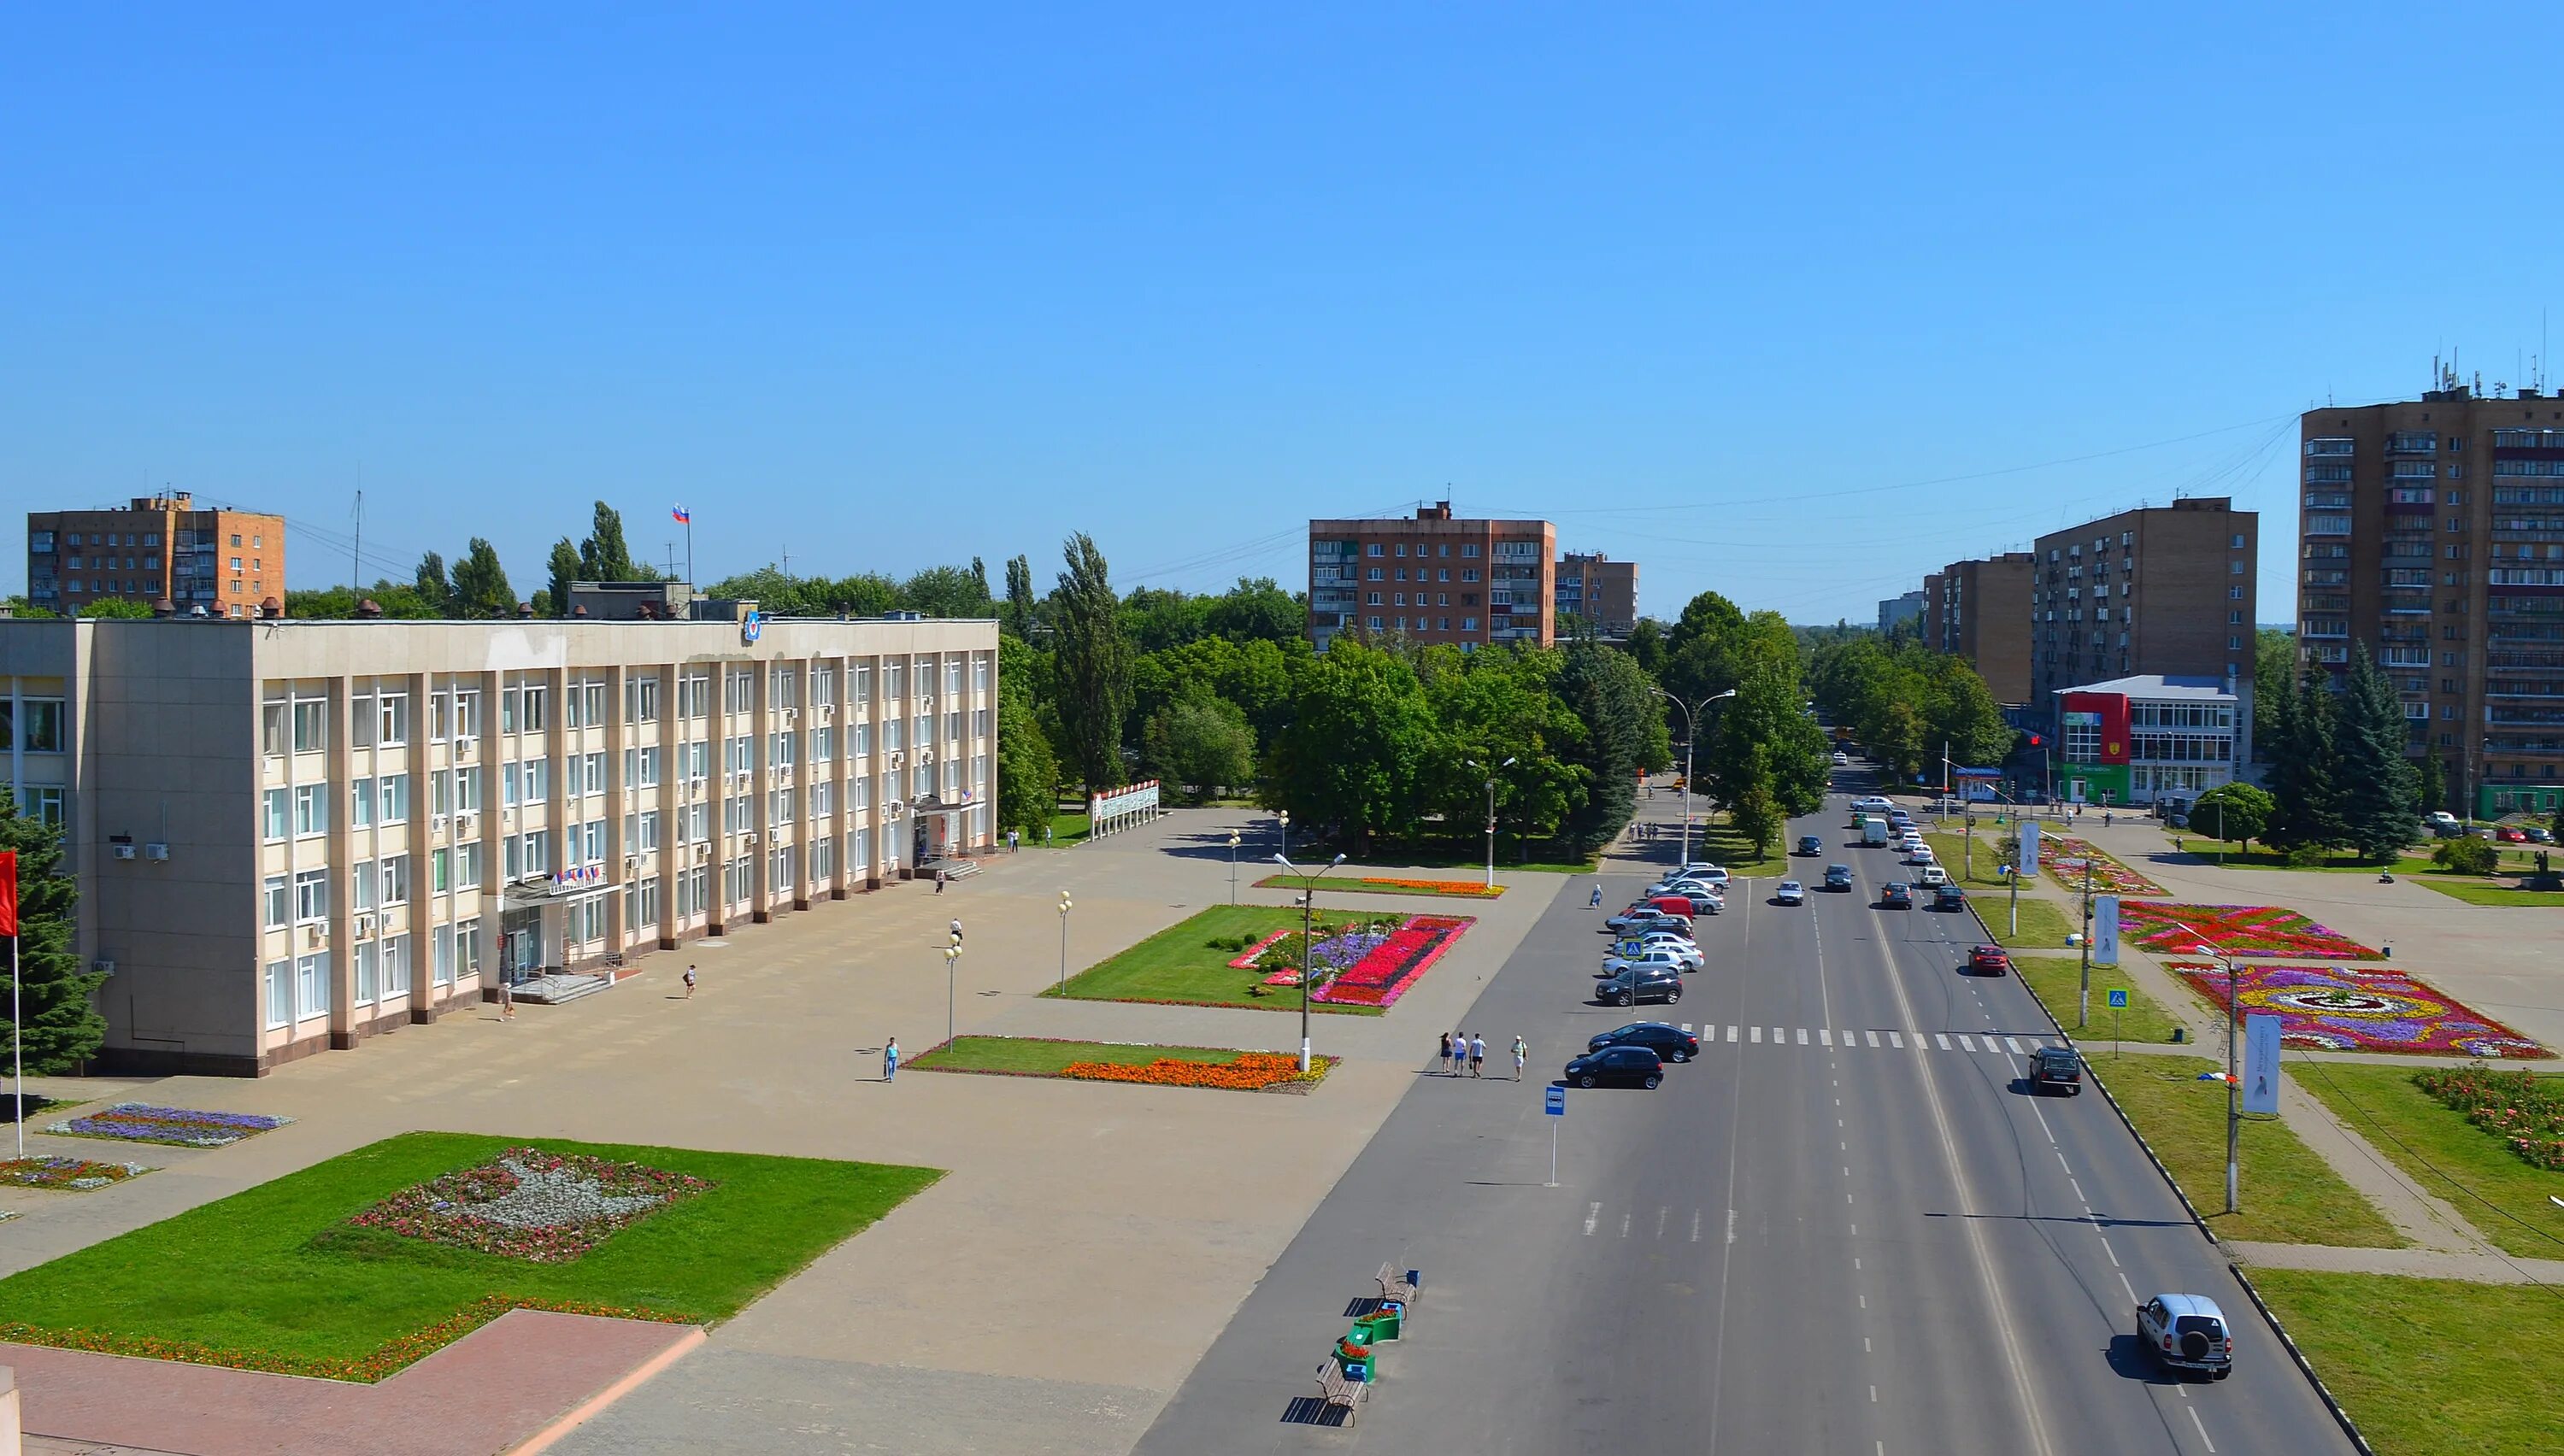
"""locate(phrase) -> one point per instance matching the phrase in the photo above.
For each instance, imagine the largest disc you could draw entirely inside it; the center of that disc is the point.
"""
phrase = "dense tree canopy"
(1090, 666)
(1908, 703)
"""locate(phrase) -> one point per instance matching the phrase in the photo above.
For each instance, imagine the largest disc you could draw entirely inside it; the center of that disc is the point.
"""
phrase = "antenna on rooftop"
(358, 548)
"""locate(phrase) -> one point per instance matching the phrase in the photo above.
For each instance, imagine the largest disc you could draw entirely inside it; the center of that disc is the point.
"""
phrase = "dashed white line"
(2079, 1192)
(1625, 1225)
(1593, 1215)
(1893, 1040)
(1731, 1033)
(1695, 1225)
(1824, 1037)
(1778, 1036)
(2130, 1287)
(1966, 1043)
(2113, 1253)
(1731, 1225)
(1662, 1213)
(2014, 1042)
(2203, 1430)
(1803, 1036)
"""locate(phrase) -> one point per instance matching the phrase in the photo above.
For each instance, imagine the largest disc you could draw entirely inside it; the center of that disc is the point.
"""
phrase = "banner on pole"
(2105, 929)
(2262, 1063)
(2028, 865)
(8, 891)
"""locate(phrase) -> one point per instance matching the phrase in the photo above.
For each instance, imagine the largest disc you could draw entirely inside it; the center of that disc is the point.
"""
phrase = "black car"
(1639, 983)
(1949, 897)
(1837, 877)
(1671, 1043)
(1810, 844)
(1896, 895)
(1616, 1065)
(2056, 1067)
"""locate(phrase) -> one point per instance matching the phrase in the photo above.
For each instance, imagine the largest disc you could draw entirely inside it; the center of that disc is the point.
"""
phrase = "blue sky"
(1715, 289)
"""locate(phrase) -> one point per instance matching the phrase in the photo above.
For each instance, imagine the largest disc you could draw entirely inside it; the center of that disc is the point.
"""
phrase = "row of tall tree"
(1909, 704)
(2339, 778)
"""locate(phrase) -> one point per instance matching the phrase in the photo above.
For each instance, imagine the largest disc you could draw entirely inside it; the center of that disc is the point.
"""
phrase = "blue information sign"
(2118, 1000)
(1557, 1102)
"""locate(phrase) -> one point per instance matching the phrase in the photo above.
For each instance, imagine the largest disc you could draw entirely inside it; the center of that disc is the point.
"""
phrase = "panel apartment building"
(1980, 611)
(1432, 579)
(2433, 530)
(1599, 592)
(292, 835)
(2166, 590)
(159, 549)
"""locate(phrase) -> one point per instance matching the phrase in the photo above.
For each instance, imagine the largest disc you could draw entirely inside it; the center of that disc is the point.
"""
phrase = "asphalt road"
(1845, 1228)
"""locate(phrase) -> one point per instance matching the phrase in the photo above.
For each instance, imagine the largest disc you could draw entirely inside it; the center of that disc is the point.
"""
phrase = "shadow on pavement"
(2130, 1360)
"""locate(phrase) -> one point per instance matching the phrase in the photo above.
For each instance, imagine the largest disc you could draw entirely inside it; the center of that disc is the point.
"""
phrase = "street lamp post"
(1491, 817)
(1233, 867)
(1691, 740)
(1065, 904)
(951, 964)
(2233, 1083)
(2083, 987)
(1308, 962)
(1285, 817)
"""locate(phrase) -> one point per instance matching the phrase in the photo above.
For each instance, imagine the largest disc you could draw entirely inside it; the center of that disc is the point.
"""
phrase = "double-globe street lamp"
(1233, 866)
(1491, 813)
(1065, 905)
(1691, 740)
(951, 966)
(1307, 960)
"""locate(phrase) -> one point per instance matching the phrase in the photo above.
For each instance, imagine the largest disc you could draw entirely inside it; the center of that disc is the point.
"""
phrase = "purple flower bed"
(134, 1122)
(525, 1203)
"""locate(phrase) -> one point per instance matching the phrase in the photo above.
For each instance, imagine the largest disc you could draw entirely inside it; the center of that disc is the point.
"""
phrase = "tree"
(2234, 813)
(118, 606)
(61, 1027)
(1091, 665)
(1027, 771)
(27, 611)
(604, 556)
(1619, 712)
(396, 599)
(481, 585)
(564, 570)
(1357, 747)
(2305, 813)
(1257, 609)
(1646, 645)
(2467, 855)
(2376, 785)
(1200, 741)
(1020, 598)
(2430, 787)
(947, 591)
(432, 586)
(2274, 664)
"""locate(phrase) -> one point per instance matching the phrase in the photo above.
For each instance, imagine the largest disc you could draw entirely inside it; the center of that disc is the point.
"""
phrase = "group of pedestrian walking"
(1463, 1053)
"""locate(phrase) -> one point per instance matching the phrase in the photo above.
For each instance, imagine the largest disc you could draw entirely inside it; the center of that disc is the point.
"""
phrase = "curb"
(2341, 1417)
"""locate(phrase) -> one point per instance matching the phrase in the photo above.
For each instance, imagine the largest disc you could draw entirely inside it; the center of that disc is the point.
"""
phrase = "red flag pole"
(17, 1047)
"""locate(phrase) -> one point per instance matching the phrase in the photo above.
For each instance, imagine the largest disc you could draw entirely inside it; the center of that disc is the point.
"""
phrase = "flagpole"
(17, 1046)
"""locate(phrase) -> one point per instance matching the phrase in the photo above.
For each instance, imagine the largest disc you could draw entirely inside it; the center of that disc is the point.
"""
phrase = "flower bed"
(2245, 932)
(1393, 885)
(1388, 968)
(134, 1122)
(2337, 1009)
(2063, 857)
(1249, 1072)
(2523, 1110)
(76, 1175)
(525, 1203)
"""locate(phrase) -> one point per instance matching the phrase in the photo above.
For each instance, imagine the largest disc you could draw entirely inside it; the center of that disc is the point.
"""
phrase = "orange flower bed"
(1439, 887)
(1251, 1072)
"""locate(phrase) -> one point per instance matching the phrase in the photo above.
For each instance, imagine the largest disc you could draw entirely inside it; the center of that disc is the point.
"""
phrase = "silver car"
(1666, 956)
(2188, 1331)
(1790, 893)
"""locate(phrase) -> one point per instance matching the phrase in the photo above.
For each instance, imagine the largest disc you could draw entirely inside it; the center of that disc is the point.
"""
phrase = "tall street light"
(1691, 740)
(1233, 867)
(951, 963)
(1491, 815)
(1308, 962)
(1065, 904)
(1285, 817)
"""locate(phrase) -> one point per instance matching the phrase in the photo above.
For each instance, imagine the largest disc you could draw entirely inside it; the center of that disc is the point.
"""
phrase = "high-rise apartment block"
(291, 836)
(159, 549)
(2166, 590)
(1434, 579)
(1896, 611)
(2433, 530)
(1599, 592)
(1980, 611)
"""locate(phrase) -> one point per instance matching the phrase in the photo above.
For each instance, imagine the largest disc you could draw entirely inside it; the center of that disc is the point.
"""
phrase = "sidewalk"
(2411, 1263)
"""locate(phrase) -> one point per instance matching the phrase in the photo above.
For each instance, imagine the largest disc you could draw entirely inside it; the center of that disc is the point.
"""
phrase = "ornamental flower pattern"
(1396, 962)
(2523, 1110)
(2338, 1010)
(2063, 857)
(73, 1175)
(2244, 931)
(134, 1122)
(525, 1203)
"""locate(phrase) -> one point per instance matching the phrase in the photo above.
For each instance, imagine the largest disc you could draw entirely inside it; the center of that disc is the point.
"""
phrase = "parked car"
(1988, 961)
(2510, 835)
(2537, 834)
(1665, 906)
(1699, 899)
(1946, 895)
(1644, 917)
(1618, 1067)
(1811, 844)
(1639, 983)
(2442, 816)
(1897, 895)
(1649, 939)
(2187, 1332)
(1707, 873)
(2056, 1067)
(1790, 893)
(1670, 1043)
(1837, 877)
(1653, 955)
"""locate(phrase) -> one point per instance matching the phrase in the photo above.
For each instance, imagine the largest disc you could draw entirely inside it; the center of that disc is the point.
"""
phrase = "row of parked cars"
(1652, 945)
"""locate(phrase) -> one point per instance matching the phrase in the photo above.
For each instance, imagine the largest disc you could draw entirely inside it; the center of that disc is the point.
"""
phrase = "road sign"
(2105, 929)
(1557, 1102)
(2261, 1062)
(2118, 999)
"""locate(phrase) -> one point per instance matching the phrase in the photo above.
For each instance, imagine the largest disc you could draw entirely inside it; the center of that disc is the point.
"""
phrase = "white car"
(1872, 804)
(1706, 874)
(1841, 759)
(1661, 955)
(1686, 885)
(1790, 893)
(1655, 941)
(1918, 853)
(1934, 875)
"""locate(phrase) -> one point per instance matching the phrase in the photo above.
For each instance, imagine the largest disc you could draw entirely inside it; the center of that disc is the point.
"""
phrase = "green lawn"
(2430, 1366)
(2054, 982)
(1066, 828)
(2200, 850)
(2290, 1195)
(2043, 924)
(1976, 870)
(1179, 964)
(2408, 1126)
(273, 1278)
(1722, 844)
(1437, 854)
(2477, 890)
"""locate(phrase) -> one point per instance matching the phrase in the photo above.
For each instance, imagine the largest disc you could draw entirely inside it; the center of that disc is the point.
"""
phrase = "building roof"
(2161, 687)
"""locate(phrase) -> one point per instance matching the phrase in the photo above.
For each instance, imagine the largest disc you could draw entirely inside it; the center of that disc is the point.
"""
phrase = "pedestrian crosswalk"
(1890, 1039)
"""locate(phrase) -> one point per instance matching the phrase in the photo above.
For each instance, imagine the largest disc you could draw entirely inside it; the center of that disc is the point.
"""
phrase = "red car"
(2513, 836)
(1988, 961)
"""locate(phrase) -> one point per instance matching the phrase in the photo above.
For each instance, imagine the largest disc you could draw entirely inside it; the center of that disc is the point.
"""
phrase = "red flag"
(8, 891)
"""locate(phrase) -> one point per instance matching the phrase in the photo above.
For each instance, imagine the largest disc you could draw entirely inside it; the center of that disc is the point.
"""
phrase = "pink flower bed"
(1247, 961)
(2338, 1010)
(2064, 864)
(2245, 932)
(1383, 975)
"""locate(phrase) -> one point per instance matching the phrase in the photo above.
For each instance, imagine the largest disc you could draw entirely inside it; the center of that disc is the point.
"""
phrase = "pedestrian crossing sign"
(2118, 999)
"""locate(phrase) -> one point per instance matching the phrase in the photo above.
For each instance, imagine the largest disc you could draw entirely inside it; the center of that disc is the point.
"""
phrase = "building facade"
(159, 548)
(292, 835)
(2167, 590)
(1435, 578)
(2140, 740)
(1896, 611)
(1599, 592)
(1980, 610)
(2433, 530)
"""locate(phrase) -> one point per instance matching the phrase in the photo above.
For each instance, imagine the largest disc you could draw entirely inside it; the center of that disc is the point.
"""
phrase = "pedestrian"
(1459, 1052)
(1522, 1054)
(957, 929)
(690, 982)
(1442, 1058)
(1478, 1056)
(1595, 902)
(506, 1000)
(890, 1061)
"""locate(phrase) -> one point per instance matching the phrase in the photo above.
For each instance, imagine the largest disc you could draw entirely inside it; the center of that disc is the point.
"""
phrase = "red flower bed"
(1383, 975)
(1250, 1072)
(2525, 1110)
(2244, 931)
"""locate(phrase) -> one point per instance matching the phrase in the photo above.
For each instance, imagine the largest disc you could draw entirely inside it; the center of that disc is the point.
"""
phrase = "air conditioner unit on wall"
(898, 758)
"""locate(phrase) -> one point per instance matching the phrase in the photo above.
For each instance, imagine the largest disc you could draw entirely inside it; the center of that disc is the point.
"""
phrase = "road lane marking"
(1731, 1033)
(1695, 1225)
(2203, 1430)
(1625, 1225)
(1663, 1213)
(1873, 1036)
(2113, 1253)
(2017, 1049)
(2062, 1163)
(1873, 1395)
(1803, 1036)
(1778, 1037)
(1896, 1041)
(1943, 1040)
(1824, 1037)
(1758, 1036)
(1731, 1225)
(1686, 1026)
(1593, 1215)
(1920, 1044)
(2130, 1287)
(1848, 1036)
(1964, 1044)
(2079, 1192)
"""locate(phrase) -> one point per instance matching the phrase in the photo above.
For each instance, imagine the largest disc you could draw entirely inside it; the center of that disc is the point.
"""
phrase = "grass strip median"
(2055, 983)
(2439, 1150)
(1034, 1056)
(2430, 1366)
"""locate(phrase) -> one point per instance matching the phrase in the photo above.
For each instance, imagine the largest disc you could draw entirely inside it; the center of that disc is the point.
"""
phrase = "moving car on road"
(2056, 1067)
(1837, 877)
(1841, 759)
(1896, 894)
(1933, 876)
(1988, 961)
(1869, 804)
(1949, 897)
(1811, 844)
(2188, 1331)
(1790, 893)
(1639, 983)
(1618, 1067)
(1671, 1043)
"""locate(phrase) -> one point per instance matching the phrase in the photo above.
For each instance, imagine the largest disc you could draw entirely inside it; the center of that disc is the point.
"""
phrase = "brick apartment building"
(159, 549)
(1599, 592)
(1434, 579)
(1980, 610)
(2433, 530)
(2165, 590)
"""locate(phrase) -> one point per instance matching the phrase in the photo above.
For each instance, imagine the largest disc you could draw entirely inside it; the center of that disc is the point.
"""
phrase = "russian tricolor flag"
(684, 516)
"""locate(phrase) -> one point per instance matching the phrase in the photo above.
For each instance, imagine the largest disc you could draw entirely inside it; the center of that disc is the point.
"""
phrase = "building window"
(311, 896)
(280, 994)
(279, 903)
(274, 817)
(311, 809)
(35, 726)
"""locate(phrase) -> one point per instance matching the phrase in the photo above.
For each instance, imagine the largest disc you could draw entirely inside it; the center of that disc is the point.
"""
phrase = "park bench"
(1401, 1287)
(1335, 1387)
